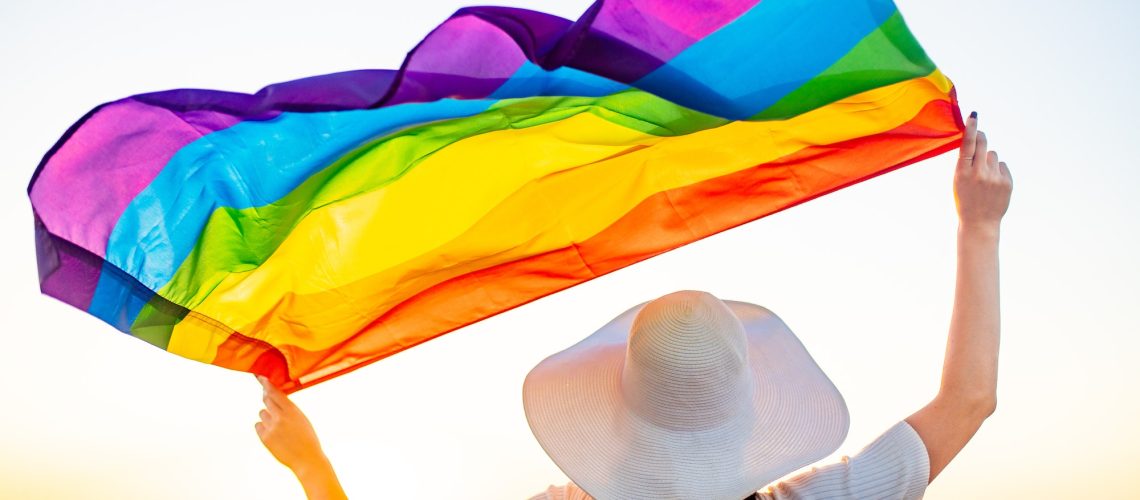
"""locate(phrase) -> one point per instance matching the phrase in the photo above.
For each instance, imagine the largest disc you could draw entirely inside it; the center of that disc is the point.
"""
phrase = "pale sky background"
(863, 276)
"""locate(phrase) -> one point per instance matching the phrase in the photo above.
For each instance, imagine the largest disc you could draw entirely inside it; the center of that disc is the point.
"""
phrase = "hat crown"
(686, 364)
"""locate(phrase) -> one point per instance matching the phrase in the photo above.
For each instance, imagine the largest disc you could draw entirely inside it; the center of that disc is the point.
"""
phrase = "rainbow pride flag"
(325, 223)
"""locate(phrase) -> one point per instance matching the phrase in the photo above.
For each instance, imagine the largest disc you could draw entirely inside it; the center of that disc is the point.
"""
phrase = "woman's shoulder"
(569, 491)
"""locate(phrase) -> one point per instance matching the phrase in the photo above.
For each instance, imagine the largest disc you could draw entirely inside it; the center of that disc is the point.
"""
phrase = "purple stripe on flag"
(357, 89)
(625, 40)
(622, 40)
(91, 177)
(466, 57)
(664, 29)
(67, 272)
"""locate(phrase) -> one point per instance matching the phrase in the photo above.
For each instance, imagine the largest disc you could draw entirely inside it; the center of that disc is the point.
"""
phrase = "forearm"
(969, 372)
(319, 480)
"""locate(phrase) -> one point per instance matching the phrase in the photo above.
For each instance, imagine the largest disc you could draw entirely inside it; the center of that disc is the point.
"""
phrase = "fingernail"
(974, 115)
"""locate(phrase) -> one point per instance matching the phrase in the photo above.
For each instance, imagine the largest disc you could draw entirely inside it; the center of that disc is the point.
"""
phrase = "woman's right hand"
(982, 183)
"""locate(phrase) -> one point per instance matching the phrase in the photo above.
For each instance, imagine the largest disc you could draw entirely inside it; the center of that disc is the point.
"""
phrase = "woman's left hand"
(286, 432)
(288, 435)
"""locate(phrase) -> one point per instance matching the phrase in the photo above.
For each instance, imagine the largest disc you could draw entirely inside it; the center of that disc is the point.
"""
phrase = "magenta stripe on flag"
(107, 162)
(664, 29)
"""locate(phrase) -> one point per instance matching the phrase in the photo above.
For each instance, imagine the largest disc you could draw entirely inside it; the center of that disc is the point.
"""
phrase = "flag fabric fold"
(321, 224)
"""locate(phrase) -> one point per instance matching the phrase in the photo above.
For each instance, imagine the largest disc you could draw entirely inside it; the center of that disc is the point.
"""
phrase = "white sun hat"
(684, 397)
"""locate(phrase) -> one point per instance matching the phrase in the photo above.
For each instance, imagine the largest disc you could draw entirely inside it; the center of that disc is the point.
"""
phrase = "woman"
(689, 396)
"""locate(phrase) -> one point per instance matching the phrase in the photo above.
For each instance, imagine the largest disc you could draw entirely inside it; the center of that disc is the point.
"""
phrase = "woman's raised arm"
(968, 393)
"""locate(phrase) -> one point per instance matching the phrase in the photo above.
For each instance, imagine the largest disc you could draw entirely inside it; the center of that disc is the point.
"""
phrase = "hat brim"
(573, 404)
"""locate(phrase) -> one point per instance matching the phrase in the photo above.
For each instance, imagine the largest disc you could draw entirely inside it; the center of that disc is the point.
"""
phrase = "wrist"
(319, 480)
(984, 231)
(312, 467)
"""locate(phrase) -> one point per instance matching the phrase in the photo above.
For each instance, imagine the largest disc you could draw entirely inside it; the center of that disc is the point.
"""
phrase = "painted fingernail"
(974, 115)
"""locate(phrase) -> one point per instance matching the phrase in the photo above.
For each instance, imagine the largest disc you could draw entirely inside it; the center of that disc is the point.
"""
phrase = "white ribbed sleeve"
(894, 466)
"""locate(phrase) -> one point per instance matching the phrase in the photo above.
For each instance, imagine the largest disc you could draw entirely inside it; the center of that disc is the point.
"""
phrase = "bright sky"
(863, 276)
